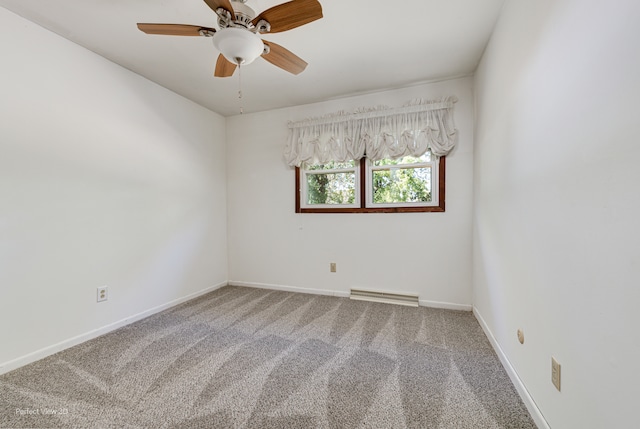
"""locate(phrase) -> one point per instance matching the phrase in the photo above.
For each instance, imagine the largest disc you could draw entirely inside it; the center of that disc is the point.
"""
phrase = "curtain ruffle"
(377, 133)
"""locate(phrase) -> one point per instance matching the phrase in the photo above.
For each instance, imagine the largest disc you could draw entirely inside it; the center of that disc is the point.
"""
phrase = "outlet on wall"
(555, 373)
(103, 293)
(332, 267)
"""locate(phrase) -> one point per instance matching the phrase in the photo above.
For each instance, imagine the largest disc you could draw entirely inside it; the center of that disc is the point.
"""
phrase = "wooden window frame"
(363, 209)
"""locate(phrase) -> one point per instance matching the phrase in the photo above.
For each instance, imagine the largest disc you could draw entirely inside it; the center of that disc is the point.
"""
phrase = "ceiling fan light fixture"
(238, 45)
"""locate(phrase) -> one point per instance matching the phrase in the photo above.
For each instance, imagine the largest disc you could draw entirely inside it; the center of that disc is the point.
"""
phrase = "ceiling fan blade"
(224, 67)
(290, 15)
(174, 29)
(225, 4)
(283, 58)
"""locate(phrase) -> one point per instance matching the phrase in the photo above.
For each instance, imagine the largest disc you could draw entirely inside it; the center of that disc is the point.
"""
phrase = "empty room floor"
(253, 358)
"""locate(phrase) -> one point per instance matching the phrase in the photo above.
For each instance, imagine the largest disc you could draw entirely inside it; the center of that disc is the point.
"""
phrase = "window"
(331, 185)
(399, 152)
(407, 184)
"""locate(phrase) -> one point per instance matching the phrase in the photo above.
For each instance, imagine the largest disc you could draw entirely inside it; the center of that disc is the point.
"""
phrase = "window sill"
(431, 209)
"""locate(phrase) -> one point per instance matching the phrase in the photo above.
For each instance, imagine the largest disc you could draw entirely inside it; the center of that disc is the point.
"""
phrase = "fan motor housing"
(243, 16)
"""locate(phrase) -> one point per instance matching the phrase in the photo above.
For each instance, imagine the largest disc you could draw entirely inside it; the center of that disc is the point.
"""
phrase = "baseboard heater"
(386, 297)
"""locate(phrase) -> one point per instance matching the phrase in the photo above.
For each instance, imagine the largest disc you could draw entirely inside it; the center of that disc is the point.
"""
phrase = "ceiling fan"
(237, 38)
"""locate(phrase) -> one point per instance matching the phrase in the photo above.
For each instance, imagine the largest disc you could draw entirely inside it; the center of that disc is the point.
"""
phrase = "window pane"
(331, 165)
(402, 185)
(404, 160)
(331, 188)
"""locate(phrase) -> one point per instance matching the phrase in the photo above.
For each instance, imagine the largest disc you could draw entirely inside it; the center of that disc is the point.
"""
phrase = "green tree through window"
(404, 184)
(332, 188)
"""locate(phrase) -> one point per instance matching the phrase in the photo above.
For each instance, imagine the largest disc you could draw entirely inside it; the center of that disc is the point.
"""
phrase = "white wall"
(556, 211)
(105, 179)
(269, 244)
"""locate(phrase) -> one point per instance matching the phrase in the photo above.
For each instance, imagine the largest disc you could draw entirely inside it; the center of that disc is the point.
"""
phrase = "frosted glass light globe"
(238, 45)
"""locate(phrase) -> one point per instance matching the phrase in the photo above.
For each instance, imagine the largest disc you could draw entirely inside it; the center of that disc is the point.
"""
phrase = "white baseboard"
(533, 409)
(55, 348)
(445, 305)
(290, 288)
(344, 294)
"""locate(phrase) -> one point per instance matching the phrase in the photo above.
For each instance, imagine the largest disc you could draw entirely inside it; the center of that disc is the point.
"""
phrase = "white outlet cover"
(102, 294)
(555, 373)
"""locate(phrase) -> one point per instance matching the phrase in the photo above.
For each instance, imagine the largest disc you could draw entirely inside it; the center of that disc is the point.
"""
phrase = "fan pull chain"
(240, 88)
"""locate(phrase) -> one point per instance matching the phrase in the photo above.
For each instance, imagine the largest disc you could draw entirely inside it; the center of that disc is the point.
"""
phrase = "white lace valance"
(377, 133)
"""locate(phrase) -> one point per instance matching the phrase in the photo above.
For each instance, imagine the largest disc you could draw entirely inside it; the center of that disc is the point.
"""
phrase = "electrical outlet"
(332, 267)
(555, 373)
(103, 293)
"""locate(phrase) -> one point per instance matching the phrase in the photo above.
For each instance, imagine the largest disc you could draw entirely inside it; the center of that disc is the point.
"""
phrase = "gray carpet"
(252, 358)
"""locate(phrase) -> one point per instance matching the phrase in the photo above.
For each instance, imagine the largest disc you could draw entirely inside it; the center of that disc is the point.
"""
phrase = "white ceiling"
(359, 46)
